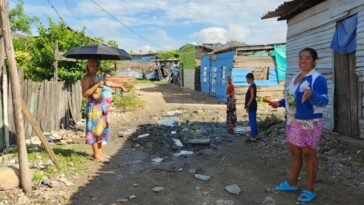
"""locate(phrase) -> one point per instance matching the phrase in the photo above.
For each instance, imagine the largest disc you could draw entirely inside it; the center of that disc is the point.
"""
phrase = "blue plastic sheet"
(344, 40)
(281, 61)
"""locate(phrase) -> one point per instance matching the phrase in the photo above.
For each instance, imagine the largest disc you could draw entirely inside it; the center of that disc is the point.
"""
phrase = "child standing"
(231, 105)
(107, 92)
(251, 107)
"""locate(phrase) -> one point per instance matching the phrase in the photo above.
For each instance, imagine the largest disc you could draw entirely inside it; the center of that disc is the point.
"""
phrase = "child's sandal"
(306, 196)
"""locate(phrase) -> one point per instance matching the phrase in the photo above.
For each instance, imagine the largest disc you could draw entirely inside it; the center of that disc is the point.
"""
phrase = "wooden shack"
(314, 24)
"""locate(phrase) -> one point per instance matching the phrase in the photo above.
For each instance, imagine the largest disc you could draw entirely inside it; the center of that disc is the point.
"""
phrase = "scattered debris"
(183, 152)
(173, 132)
(269, 201)
(178, 142)
(46, 182)
(157, 160)
(199, 141)
(143, 135)
(224, 202)
(158, 189)
(202, 177)
(240, 129)
(233, 189)
(170, 121)
(122, 200)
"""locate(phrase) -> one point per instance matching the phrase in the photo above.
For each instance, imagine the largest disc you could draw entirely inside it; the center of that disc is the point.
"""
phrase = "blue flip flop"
(306, 196)
(284, 186)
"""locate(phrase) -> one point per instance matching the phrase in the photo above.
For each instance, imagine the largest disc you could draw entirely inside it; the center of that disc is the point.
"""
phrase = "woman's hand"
(122, 88)
(274, 104)
(101, 82)
(307, 94)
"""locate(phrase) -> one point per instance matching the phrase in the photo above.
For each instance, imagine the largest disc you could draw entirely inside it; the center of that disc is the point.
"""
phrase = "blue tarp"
(143, 59)
(240, 80)
(152, 75)
(344, 40)
(132, 73)
(281, 61)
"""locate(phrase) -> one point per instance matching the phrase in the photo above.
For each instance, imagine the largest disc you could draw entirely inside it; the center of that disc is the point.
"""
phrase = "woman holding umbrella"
(97, 129)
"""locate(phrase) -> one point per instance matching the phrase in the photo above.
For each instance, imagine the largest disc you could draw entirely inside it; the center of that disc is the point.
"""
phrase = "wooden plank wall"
(360, 66)
(54, 105)
(315, 28)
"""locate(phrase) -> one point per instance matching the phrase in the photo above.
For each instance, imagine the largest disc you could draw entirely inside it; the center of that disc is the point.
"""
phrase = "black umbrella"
(100, 52)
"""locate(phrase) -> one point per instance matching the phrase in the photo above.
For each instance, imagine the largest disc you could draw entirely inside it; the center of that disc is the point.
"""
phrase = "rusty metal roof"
(291, 8)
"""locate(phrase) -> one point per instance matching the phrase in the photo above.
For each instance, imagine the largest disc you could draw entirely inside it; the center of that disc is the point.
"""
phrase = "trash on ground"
(240, 129)
(157, 160)
(170, 121)
(199, 141)
(202, 177)
(143, 135)
(183, 152)
(178, 142)
(233, 189)
(158, 189)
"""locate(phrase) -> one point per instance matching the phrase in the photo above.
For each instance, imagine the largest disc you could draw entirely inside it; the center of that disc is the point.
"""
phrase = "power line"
(123, 24)
(54, 8)
(73, 16)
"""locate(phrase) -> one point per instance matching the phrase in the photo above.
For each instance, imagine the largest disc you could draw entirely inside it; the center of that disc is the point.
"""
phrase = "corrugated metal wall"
(224, 64)
(189, 78)
(204, 76)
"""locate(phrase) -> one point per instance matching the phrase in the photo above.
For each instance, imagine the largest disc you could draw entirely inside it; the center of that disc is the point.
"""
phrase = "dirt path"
(131, 175)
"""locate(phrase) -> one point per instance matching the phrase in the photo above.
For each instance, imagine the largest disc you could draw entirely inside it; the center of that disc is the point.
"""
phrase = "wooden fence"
(54, 105)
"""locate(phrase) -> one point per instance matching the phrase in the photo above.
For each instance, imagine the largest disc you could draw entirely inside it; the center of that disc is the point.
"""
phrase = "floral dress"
(97, 128)
(302, 133)
(231, 118)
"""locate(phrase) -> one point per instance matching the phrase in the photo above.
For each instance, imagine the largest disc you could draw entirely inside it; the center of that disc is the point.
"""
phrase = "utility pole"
(25, 177)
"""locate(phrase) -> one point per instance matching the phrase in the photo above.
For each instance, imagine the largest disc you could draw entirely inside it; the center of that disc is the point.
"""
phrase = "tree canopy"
(19, 21)
(36, 53)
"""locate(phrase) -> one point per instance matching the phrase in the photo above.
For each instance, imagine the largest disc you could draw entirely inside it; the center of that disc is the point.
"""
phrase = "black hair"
(107, 72)
(312, 51)
(250, 76)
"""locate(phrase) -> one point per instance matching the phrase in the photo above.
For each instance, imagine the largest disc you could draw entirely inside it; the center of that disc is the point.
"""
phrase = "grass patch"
(38, 175)
(269, 121)
(144, 81)
(70, 157)
(128, 102)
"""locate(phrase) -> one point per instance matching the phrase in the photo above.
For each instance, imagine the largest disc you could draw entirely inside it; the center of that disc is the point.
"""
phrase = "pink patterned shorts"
(305, 133)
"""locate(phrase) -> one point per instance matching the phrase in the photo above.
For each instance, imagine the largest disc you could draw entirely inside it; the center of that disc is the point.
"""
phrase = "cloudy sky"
(165, 24)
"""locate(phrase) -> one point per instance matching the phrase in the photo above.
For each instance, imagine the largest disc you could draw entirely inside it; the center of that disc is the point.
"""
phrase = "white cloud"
(147, 48)
(220, 34)
(159, 20)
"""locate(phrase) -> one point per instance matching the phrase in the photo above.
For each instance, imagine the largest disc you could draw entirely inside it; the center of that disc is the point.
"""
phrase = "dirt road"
(256, 168)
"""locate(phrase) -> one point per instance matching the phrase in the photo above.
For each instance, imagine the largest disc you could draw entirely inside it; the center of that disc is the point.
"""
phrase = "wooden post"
(6, 109)
(55, 77)
(39, 133)
(5, 92)
(25, 177)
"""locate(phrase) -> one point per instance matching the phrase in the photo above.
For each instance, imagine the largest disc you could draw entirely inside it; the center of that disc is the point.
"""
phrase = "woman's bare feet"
(100, 159)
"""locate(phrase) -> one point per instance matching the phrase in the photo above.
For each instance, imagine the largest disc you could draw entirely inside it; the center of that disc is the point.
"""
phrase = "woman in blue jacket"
(305, 97)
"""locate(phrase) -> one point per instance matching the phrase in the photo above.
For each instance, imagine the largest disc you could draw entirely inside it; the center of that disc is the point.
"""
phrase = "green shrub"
(128, 102)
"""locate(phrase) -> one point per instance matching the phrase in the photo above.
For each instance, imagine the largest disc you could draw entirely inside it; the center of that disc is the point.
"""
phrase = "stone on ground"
(9, 178)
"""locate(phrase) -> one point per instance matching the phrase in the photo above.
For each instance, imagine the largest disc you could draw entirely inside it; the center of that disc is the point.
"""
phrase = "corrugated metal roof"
(243, 47)
(291, 8)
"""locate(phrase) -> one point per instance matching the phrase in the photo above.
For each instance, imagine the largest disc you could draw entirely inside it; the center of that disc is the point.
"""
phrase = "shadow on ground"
(172, 94)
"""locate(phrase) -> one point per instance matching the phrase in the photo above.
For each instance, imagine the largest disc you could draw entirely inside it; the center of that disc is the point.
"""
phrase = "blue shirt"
(106, 91)
(312, 108)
